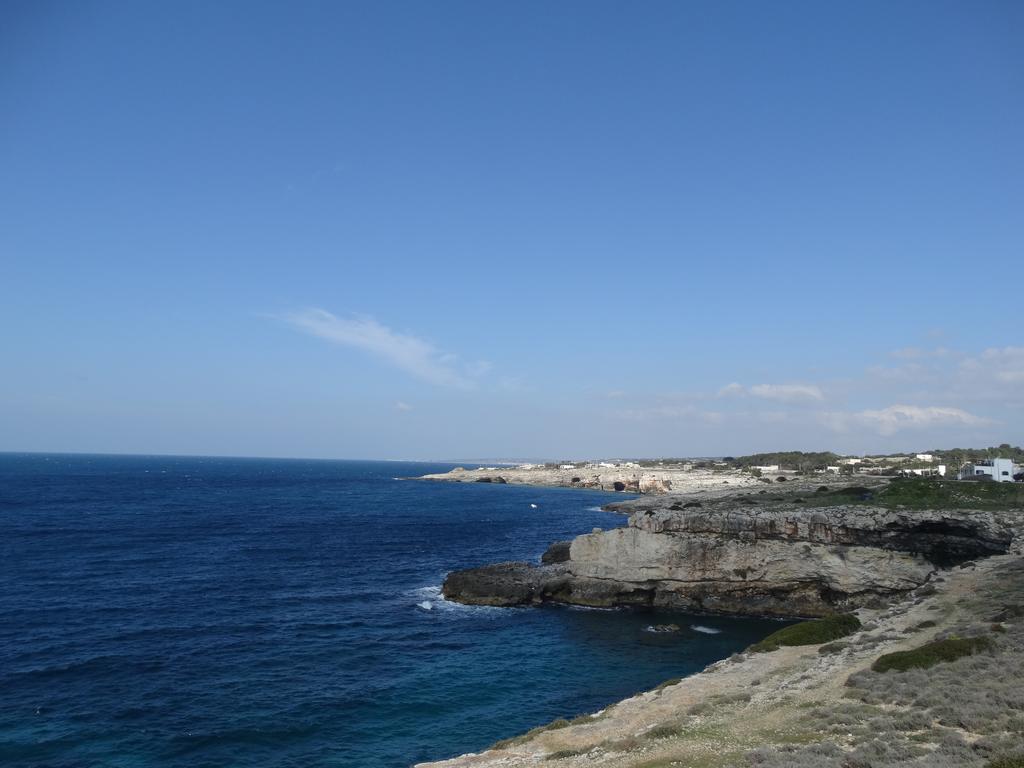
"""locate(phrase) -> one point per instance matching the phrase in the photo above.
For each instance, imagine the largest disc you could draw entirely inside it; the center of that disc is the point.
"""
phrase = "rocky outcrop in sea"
(741, 556)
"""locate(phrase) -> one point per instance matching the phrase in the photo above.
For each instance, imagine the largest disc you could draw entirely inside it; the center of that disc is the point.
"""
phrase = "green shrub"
(665, 731)
(930, 654)
(810, 632)
(830, 648)
(1015, 761)
(554, 725)
(918, 627)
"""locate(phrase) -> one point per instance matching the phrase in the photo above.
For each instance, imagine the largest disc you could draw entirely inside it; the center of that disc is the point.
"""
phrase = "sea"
(189, 612)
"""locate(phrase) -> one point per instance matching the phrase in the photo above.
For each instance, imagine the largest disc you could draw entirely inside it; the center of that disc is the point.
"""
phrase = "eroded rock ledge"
(789, 560)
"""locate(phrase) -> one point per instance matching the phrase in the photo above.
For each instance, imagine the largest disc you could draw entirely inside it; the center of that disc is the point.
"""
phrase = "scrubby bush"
(820, 755)
(669, 683)
(810, 632)
(1009, 612)
(554, 725)
(930, 654)
(665, 731)
(830, 648)
(564, 753)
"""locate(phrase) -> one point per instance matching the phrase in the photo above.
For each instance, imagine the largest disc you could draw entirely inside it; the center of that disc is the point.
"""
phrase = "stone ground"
(807, 707)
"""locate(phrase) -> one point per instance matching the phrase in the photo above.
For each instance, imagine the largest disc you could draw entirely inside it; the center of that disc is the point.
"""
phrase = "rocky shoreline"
(748, 554)
(804, 552)
(822, 705)
(625, 479)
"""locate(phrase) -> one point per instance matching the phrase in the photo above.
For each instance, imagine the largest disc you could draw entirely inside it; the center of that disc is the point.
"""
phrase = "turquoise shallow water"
(162, 611)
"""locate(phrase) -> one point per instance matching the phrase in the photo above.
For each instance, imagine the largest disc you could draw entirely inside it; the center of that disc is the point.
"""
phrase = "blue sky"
(461, 229)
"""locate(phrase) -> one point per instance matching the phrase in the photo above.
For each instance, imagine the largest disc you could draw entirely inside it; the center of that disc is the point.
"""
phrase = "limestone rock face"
(557, 552)
(785, 561)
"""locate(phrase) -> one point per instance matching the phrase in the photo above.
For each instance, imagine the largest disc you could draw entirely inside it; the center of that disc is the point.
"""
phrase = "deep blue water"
(162, 611)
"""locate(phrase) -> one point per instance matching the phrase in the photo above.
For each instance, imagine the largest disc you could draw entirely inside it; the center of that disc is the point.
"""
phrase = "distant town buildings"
(924, 457)
(936, 471)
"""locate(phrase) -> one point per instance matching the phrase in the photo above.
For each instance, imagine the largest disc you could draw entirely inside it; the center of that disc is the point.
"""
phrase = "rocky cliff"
(824, 706)
(783, 559)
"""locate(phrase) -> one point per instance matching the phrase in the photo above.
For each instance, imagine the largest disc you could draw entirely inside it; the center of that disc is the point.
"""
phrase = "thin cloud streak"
(785, 393)
(897, 418)
(408, 353)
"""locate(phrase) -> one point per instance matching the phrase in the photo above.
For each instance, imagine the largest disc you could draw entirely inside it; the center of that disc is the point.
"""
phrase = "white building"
(925, 457)
(768, 468)
(940, 471)
(851, 461)
(1000, 470)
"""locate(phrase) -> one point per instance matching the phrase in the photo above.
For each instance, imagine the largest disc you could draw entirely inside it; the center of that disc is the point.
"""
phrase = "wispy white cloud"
(997, 364)
(407, 353)
(402, 406)
(786, 393)
(897, 418)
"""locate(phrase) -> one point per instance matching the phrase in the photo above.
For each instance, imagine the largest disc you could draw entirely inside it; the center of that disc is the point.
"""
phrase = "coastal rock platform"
(740, 555)
(621, 478)
(822, 705)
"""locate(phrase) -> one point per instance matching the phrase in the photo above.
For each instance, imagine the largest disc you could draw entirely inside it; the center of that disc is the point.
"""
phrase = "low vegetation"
(925, 493)
(798, 460)
(908, 493)
(554, 725)
(668, 683)
(810, 632)
(930, 654)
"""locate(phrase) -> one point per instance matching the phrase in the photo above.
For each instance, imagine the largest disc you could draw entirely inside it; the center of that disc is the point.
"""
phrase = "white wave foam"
(428, 593)
(705, 630)
(590, 608)
(430, 598)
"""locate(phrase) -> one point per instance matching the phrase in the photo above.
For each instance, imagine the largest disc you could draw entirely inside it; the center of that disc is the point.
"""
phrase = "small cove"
(199, 612)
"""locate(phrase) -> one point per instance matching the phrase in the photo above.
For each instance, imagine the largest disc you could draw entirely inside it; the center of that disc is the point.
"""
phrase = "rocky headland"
(764, 554)
(604, 477)
(915, 560)
(827, 705)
